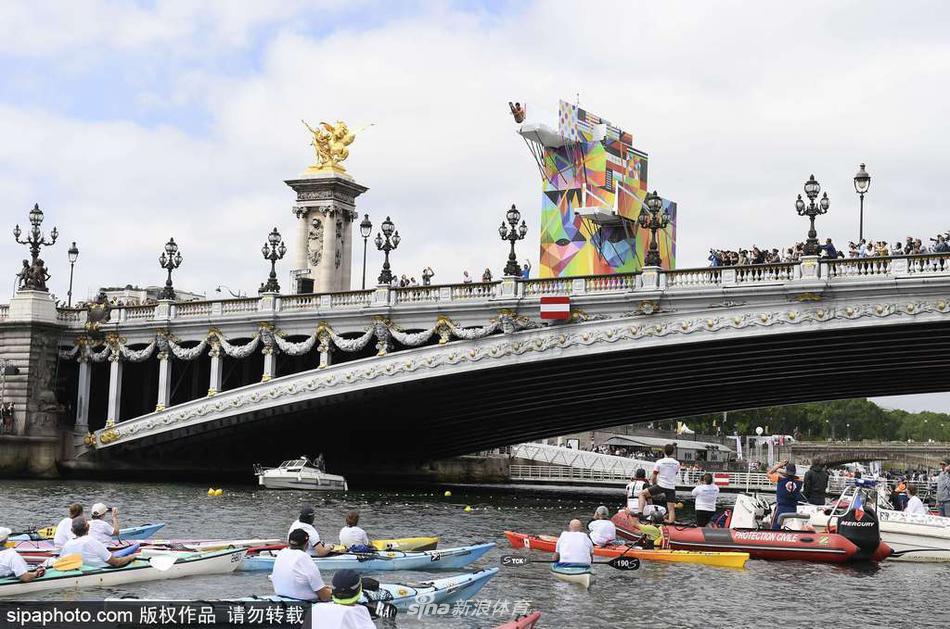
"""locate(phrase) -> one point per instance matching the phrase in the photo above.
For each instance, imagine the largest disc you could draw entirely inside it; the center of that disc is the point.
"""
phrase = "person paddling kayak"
(94, 553)
(574, 546)
(788, 491)
(352, 534)
(295, 575)
(305, 522)
(100, 529)
(11, 563)
(344, 612)
(64, 530)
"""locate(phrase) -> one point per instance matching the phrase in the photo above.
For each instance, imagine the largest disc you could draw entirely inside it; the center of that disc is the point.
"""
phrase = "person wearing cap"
(94, 553)
(64, 530)
(943, 489)
(344, 612)
(788, 491)
(352, 534)
(295, 575)
(305, 522)
(100, 529)
(602, 529)
(11, 563)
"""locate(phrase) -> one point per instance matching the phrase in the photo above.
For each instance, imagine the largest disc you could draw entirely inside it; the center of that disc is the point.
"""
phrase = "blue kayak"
(384, 560)
(145, 531)
(437, 591)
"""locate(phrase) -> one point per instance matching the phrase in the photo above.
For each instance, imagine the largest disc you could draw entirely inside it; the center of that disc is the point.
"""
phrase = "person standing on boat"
(64, 530)
(344, 612)
(634, 488)
(305, 522)
(706, 493)
(94, 553)
(602, 530)
(295, 575)
(665, 473)
(11, 563)
(352, 534)
(574, 546)
(788, 491)
(914, 504)
(816, 483)
(943, 489)
(99, 528)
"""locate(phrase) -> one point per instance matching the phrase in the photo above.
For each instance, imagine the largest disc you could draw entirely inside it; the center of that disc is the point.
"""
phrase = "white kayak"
(581, 575)
(383, 560)
(189, 564)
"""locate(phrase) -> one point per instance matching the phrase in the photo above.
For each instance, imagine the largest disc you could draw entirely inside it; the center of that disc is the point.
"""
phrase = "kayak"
(388, 560)
(719, 559)
(144, 531)
(406, 543)
(45, 547)
(138, 571)
(525, 622)
(436, 592)
(572, 573)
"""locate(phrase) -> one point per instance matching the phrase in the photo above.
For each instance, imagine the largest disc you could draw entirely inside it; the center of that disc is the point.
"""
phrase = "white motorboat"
(913, 537)
(299, 473)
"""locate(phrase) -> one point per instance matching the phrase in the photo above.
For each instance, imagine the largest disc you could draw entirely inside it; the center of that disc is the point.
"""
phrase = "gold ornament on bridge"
(329, 143)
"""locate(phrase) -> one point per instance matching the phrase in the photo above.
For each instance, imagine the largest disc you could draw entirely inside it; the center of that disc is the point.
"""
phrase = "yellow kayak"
(400, 543)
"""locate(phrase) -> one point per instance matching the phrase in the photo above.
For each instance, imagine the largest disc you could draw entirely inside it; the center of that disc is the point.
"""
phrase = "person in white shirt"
(11, 563)
(295, 575)
(305, 522)
(94, 553)
(665, 473)
(602, 529)
(99, 528)
(344, 612)
(634, 488)
(914, 504)
(352, 534)
(64, 530)
(705, 494)
(574, 546)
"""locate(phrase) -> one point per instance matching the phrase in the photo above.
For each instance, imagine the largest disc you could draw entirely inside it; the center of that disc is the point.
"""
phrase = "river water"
(784, 594)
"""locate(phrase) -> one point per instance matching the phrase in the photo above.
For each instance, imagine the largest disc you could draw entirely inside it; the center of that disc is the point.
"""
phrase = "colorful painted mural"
(596, 168)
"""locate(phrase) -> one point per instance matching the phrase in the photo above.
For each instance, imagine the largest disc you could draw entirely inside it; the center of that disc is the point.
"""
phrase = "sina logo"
(858, 508)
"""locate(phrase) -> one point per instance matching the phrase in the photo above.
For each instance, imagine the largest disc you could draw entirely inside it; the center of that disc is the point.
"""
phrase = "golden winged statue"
(329, 143)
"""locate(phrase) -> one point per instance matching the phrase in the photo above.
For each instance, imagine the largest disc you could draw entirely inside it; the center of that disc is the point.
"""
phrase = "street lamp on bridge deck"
(811, 210)
(387, 241)
(72, 254)
(170, 260)
(273, 250)
(862, 182)
(33, 276)
(653, 220)
(366, 228)
(512, 235)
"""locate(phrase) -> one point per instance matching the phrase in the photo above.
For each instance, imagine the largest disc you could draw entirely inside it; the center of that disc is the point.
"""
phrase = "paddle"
(68, 562)
(620, 562)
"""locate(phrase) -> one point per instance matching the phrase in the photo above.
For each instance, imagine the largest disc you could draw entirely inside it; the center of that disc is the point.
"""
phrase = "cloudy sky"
(129, 123)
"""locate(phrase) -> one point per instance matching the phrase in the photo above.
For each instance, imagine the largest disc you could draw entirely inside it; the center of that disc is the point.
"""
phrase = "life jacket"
(638, 486)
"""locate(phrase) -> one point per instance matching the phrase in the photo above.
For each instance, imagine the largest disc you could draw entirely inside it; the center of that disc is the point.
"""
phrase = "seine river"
(783, 594)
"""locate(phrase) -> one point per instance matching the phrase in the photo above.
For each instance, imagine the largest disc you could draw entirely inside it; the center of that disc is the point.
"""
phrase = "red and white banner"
(558, 308)
(721, 479)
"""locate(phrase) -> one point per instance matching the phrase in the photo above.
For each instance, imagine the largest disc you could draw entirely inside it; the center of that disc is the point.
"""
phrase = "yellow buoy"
(447, 494)
(211, 491)
(468, 509)
(218, 492)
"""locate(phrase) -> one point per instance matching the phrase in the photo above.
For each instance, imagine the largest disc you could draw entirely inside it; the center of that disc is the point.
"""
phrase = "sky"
(133, 122)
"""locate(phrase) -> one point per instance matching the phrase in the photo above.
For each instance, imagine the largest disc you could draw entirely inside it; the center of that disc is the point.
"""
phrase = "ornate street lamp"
(170, 260)
(811, 210)
(386, 241)
(862, 182)
(33, 276)
(653, 220)
(273, 250)
(366, 228)
(73, 254)
(512, 234)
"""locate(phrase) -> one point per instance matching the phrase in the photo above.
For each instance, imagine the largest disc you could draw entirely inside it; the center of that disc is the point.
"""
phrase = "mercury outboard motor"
(862, 529)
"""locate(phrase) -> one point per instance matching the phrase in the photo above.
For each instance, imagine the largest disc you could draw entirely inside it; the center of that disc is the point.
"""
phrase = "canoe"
(144, 531)
(525, 622)
(447, 559)
(138, 571)
(572, 573)
(436, 592)
(719, 559)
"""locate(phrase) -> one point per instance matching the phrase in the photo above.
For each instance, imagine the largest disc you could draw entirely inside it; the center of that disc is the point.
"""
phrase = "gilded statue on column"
(329, 143)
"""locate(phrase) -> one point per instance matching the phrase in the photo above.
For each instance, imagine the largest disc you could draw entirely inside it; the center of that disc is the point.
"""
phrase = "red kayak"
(525, 622)
(853, 544)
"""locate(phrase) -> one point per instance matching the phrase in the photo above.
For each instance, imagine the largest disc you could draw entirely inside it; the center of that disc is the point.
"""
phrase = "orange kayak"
(547, 543)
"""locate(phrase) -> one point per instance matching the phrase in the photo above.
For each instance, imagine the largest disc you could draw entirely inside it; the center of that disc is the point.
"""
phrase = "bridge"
(927, 455)
(426, 372)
